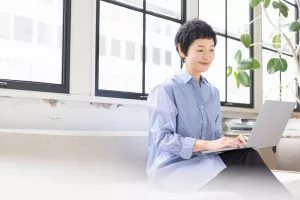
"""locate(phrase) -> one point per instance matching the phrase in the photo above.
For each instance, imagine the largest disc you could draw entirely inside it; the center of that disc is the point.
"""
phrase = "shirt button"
(201, 106)
(204, 122)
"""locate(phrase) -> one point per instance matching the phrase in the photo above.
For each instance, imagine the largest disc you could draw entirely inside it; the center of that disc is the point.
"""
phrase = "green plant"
(280, 42)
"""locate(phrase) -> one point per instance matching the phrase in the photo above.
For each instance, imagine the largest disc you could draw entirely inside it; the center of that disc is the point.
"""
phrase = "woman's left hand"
(242, 139)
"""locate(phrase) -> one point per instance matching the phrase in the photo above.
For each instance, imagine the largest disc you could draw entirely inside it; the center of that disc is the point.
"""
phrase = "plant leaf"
(284, 10)
(229, 71)
(249, 63)
(255, 3)
(276, 39)
(246, 40)
(282, 4)
(244, 79)
(283, 64)
(282, 7)
(272, 66)
(236, 75)
(275, 4)
(238, 56)
(267, 3)
(294, 26)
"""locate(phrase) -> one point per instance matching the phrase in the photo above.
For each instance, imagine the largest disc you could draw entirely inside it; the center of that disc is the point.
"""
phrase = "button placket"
(200, 107)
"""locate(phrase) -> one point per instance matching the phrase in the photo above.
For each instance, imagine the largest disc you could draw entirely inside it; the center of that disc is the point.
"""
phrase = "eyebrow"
(204, 46)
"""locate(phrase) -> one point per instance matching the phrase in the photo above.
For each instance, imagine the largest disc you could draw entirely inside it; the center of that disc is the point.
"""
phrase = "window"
(23, 29)
(168, 58)
(212, 14)
(168, 30)
(5, 21)
(156, 71)
(156, 26)
(277, 86)
(115, 48)
(130, 50)
(102, 45)
(156, 56)
(44, 32)
(171, 8)
(47, 1)
(35, 53)
(59, 37)
(228, 27)
(148, 41)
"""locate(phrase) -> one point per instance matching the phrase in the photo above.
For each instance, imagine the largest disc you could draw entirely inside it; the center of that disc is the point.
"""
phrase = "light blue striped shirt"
(181, 111)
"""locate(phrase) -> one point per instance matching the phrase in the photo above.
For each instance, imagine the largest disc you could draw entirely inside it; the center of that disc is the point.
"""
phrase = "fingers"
(231, 143)
(243, 139)
(236, 142)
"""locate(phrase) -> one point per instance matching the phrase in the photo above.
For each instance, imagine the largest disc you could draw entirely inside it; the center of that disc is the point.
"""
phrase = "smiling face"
(199, 56)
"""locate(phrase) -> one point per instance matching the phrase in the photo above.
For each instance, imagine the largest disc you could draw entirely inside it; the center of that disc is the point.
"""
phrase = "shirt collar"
(186, 77)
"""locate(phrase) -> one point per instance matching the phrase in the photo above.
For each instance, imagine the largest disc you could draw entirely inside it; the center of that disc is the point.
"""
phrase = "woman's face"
(200, 55)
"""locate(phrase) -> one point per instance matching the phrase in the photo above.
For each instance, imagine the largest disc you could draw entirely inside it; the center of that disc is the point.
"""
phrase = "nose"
(205, 57)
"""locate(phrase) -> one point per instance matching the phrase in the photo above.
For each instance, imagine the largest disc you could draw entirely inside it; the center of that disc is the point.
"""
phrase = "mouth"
(204, 63)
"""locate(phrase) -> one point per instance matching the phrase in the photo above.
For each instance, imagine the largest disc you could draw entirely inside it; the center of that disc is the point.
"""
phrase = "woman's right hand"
(222, 143)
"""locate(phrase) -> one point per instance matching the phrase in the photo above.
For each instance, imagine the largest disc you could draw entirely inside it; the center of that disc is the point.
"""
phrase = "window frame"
(124, 94)
(64, 87)
(251, 54)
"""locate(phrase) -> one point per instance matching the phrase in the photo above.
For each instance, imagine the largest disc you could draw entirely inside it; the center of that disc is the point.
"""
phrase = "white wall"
(35, 113)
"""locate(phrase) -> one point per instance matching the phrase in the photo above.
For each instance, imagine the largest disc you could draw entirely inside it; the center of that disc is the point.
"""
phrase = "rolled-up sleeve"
(162, 123)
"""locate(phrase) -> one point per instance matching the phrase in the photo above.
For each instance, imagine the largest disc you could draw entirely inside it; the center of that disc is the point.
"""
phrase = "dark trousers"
(247, 175)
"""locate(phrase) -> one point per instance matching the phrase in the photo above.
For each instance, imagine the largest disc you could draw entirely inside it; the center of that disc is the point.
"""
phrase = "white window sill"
(7, 93)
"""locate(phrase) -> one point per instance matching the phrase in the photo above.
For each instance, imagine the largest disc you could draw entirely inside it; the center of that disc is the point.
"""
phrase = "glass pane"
(163, 59)
(271, 82)
(234, 94)
(44, 32)
(136, 3)
(120, 67)
(267, 30)
(216, 73)
(29, 40)
(171, 8)
(286, 78)
(47, 1)
(5, 21)
(237, 19)
(23, 29)
(212, 14)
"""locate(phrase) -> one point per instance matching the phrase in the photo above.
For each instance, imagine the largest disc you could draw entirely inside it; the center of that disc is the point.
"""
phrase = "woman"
(185, 119)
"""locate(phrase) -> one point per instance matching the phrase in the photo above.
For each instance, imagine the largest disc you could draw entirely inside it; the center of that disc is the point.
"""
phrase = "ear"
(181, 54)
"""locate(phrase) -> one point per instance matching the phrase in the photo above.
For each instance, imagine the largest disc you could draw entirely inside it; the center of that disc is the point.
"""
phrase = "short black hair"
(192, 30)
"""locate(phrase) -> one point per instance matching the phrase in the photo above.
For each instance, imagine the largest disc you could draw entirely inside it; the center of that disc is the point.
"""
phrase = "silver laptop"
(269, 126)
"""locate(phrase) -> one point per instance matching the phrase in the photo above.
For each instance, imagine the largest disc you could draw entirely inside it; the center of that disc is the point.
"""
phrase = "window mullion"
(226, 48)
(144, 49)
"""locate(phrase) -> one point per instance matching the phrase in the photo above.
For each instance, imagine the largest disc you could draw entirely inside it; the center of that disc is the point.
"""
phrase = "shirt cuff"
(187, 147)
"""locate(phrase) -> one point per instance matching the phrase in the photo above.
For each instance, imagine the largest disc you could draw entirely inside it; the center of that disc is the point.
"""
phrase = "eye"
(212, 50)
(200, 50)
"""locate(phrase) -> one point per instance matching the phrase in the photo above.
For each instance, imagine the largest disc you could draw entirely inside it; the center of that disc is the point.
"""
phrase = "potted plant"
(287, 155)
